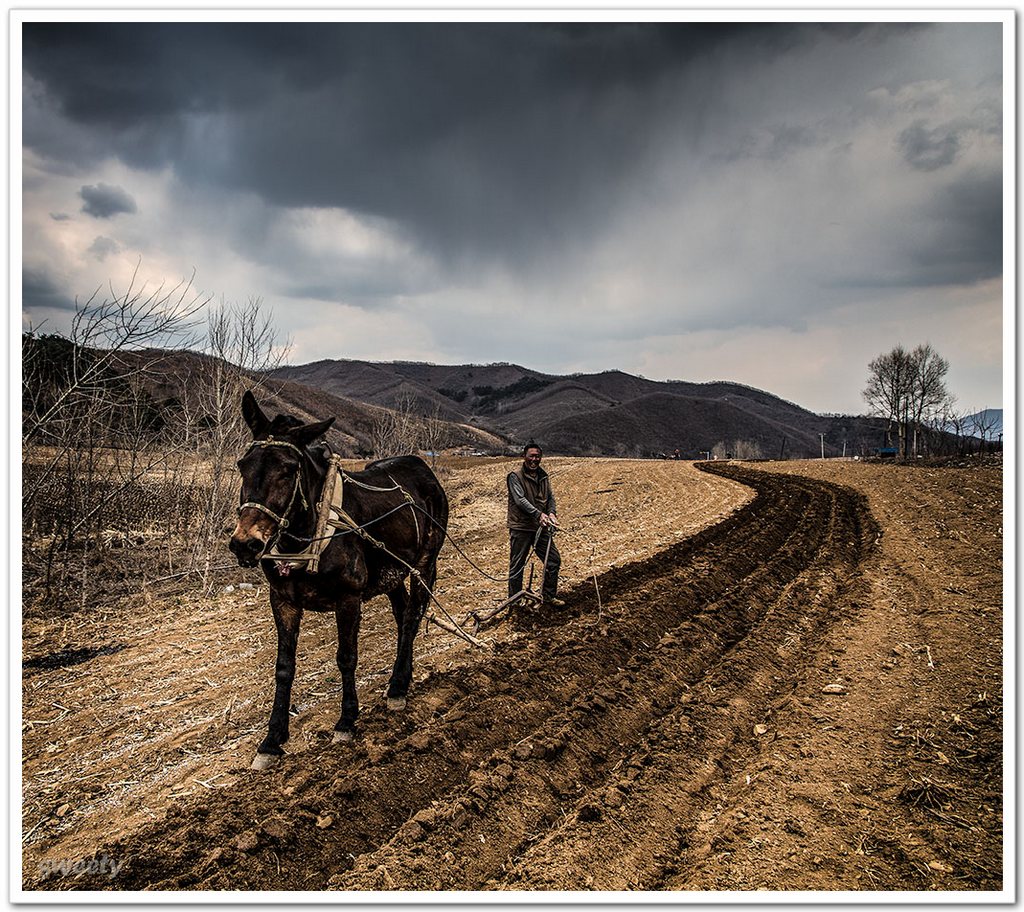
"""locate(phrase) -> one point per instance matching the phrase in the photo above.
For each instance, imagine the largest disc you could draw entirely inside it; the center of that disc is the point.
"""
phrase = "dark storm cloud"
(127, 73)
(104, 201)
(928, 149)
(475, 137)
(957, 240)
(39, 291)
(965, 243)
(124, 74)
(704, 195)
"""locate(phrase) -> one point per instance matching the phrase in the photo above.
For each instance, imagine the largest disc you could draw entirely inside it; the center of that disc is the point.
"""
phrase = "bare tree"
(100, 332)
(384, 434)
(243, 347)
(738, 449)
(409, 422)
(106, 467)
(888, 390)
(747, 449)
(436, 434)
(400, 429)
(950, 425)
(88, 427)
(928, 393)
(983, 424)
(907, 388)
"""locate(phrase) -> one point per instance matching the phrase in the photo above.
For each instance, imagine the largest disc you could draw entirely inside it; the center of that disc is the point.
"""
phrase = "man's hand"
(549, 519)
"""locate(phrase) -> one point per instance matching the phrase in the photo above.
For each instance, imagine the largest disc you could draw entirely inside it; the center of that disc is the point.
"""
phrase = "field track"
(577, 757)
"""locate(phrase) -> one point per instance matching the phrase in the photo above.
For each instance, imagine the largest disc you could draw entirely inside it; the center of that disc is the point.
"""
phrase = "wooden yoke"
(332, 486)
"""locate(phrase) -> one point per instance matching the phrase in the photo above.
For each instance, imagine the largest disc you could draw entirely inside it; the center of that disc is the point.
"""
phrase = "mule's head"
(273, 485)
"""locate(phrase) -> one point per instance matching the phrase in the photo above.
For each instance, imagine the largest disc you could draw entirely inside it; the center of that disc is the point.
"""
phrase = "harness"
(331, 517)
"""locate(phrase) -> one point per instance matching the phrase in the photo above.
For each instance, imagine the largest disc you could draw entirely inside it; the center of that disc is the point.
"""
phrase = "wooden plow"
(526, 595)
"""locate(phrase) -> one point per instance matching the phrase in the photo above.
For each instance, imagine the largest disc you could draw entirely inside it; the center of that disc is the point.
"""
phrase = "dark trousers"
(519, 553)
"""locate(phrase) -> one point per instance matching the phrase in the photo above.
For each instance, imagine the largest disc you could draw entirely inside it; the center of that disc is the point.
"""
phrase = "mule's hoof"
(344, 737)
(396, 703)
(264, 761)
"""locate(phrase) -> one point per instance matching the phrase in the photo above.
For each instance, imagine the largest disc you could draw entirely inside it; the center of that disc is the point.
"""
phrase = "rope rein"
(331, 515)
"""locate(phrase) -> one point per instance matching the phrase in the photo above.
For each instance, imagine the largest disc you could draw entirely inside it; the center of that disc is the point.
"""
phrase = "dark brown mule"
(407, 515)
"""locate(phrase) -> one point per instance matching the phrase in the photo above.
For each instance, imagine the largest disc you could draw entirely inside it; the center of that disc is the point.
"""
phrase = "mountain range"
(497, 408)
(610, 413)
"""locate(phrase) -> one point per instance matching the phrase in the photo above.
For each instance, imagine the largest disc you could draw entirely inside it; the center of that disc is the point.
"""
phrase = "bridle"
(297, 491)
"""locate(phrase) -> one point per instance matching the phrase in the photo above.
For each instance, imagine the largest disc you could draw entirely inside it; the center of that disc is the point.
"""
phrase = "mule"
(402, 514)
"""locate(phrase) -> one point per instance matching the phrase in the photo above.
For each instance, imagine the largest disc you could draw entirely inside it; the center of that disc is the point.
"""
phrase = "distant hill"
(607, 413)
(175, 377)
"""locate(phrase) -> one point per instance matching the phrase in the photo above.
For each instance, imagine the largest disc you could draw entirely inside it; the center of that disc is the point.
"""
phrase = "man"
(531, 506)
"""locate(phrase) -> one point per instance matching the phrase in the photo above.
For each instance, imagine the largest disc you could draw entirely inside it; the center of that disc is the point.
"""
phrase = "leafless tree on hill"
(739, 449)
(887, 389)
(108, 467)
(436, 434)
(402, 429)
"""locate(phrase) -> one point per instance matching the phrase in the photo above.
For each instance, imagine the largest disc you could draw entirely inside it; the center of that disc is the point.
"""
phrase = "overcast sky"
(773, 204)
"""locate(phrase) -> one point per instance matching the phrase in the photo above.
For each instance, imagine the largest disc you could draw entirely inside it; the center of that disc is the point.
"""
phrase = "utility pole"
(822, 436)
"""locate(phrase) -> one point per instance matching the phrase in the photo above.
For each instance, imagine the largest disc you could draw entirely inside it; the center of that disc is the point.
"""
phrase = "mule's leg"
(401, 674)
(348, 616)
(416, 603)
(287, 618)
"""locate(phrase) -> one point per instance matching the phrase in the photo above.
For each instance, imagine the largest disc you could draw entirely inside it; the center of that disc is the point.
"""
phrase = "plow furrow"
(562, 758)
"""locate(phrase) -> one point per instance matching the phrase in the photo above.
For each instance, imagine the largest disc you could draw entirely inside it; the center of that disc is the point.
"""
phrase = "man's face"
(531, 459)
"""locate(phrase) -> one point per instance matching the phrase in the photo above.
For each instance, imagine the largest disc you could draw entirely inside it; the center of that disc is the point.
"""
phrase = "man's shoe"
(555, 602)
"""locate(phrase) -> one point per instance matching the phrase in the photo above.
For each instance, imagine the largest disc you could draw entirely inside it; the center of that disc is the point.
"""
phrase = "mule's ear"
(253, 414)
(306, 434)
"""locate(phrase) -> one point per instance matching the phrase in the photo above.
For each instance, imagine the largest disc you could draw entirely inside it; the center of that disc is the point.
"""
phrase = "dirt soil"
(773, 676)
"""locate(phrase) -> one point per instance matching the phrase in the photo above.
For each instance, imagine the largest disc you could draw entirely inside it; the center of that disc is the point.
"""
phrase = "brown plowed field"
(668, 730)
